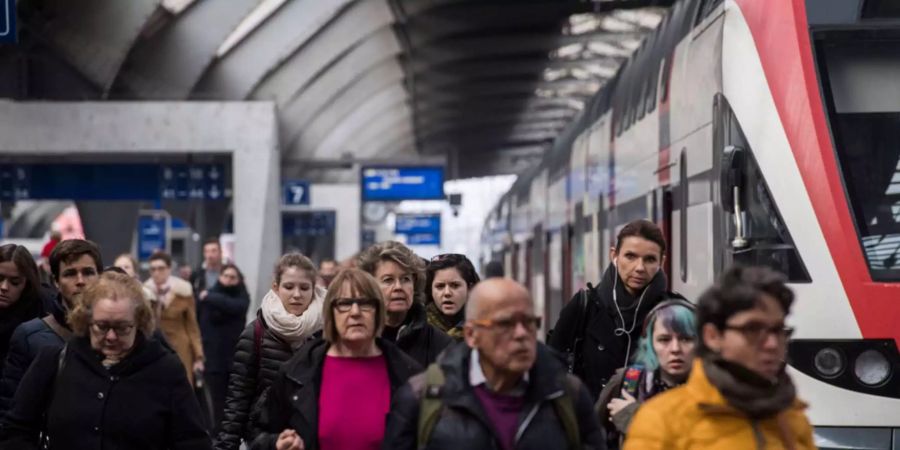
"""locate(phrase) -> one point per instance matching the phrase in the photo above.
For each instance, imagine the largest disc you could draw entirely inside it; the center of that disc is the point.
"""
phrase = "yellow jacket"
(696, 416)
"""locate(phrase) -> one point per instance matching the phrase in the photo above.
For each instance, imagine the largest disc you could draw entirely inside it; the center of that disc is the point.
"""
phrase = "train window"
(664, 80)
(881, 9)
(652, 81)
(755, 231)
(859, 81)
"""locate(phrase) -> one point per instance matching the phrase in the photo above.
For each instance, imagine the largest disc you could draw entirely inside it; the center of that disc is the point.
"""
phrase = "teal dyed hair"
(676, 318)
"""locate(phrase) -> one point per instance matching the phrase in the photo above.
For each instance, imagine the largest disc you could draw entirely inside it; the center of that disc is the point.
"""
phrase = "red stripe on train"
(781, 35)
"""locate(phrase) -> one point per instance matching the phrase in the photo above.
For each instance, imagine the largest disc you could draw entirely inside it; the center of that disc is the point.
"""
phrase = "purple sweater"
(503, 412)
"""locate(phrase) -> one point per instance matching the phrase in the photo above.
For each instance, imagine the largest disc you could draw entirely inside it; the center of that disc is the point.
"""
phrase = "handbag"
(573, 352)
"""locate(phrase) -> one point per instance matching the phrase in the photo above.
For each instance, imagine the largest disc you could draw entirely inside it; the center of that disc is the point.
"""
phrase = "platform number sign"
(8, 21)
(296, 192)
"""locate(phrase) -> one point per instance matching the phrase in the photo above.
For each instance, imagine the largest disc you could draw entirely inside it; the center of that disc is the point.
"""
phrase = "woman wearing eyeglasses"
(448, 280)
(111, 386)
(289, 316)
(178, 313)
(400, 275)
(663, 360)
(335, 393)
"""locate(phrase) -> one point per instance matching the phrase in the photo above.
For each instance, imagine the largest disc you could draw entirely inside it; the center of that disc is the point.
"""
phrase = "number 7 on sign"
(297, 192)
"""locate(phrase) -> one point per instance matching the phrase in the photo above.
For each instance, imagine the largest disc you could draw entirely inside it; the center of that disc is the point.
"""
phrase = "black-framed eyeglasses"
(445, 256)
(158, 268)
(120, 328)
(346, 304)
(756, 332)
(508, 324)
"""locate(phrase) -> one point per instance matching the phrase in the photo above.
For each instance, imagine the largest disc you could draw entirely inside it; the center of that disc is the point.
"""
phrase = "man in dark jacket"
(74, 264)
(500, 389)
(205, 276)
(599, 328)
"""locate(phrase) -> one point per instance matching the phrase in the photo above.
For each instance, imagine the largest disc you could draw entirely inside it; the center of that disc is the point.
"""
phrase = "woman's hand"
(617, 404)
(198, 366)
(289, 440)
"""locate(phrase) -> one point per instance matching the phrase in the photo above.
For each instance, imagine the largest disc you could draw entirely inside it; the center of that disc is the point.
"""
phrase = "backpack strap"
(257, 341)
(565, 410)
(54, 325)
(430, 404)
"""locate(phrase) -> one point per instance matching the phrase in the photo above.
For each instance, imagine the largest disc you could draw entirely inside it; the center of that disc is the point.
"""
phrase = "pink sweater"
(353, 403)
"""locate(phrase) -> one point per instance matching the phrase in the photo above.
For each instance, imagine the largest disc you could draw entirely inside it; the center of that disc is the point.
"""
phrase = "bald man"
(500, 388)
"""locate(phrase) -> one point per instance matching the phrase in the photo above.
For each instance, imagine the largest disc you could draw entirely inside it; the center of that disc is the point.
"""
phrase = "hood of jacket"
(544, 377)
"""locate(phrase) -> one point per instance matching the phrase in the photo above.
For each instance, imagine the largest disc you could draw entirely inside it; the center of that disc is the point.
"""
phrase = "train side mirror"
(731, 188)
(732, 175)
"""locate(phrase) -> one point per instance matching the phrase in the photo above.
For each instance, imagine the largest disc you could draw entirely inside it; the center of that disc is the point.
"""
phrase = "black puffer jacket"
(293, 400)
(463, 424)
(420, 340)
(143, 402)
(251, 373)
(602, 350)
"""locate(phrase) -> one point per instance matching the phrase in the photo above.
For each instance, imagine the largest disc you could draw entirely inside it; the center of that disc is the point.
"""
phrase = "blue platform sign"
(384, 184)
(308, 223)
(152, 235)
(295, 192)
(8, 21)
(419, 229)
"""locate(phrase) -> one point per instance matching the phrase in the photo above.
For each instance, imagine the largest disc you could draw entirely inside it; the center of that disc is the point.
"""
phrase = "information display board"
(419, 229)
(113, 182)
(384, 184)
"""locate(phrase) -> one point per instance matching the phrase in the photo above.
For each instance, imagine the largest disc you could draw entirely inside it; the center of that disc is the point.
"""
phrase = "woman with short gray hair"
(401, 278)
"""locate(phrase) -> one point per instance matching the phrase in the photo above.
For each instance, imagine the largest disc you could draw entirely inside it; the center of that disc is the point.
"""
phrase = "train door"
(556, 266)
(568, 235)
(529, 257)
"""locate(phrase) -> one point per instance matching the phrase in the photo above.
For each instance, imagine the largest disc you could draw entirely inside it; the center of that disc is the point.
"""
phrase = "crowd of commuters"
(388, 351)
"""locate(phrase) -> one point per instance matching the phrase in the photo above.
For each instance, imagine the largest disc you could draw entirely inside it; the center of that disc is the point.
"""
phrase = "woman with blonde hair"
(289, 316)
(318, 392)
(112, 386)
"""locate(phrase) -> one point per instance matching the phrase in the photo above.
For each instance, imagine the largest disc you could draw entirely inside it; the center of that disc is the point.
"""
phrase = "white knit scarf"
(294, 329)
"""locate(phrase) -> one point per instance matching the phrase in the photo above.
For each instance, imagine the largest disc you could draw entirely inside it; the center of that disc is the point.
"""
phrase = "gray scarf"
(748, 392)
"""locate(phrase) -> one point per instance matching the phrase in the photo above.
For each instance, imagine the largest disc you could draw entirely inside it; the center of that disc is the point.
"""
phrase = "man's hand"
(289, 440)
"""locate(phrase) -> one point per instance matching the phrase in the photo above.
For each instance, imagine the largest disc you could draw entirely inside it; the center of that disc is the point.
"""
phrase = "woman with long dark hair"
(21, 295)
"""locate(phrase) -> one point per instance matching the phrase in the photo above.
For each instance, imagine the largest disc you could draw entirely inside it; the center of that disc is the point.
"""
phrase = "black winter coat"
(251, 373)
(143, 402)
(20, 312)
(463, 423)
(222, 315)
(27, 340)
(293, 400)
(602, 352)
(420, 340)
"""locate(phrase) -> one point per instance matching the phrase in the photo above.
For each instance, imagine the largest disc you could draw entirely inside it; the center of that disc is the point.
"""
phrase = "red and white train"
(753, 131)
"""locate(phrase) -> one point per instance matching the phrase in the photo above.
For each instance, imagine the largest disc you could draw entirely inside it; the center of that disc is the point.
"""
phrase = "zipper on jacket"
(533, 413)
(758, 435)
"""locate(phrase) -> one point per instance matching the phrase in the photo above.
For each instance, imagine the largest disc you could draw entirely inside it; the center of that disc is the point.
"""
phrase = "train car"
(757, 132)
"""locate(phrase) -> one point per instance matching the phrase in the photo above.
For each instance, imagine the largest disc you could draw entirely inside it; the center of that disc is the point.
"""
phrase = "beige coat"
(178, 323)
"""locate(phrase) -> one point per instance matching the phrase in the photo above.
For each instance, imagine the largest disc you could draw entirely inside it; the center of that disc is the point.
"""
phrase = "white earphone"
(620, 330)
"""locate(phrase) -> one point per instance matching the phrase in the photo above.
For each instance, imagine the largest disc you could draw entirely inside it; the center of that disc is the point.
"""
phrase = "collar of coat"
(305, 367)
(546, 379)
(709, 399)
(145, 352)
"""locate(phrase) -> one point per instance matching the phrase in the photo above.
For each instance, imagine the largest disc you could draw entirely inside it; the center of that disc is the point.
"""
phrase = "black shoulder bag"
(573, 353)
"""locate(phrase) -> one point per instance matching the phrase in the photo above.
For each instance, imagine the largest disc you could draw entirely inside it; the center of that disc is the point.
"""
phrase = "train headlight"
(872, 368)
(829, 362)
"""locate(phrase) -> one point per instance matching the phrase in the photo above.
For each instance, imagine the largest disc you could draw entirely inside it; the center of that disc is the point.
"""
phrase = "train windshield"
(859, 75)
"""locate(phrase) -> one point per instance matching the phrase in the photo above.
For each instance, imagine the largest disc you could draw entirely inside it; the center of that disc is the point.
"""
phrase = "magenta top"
(353, 403)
